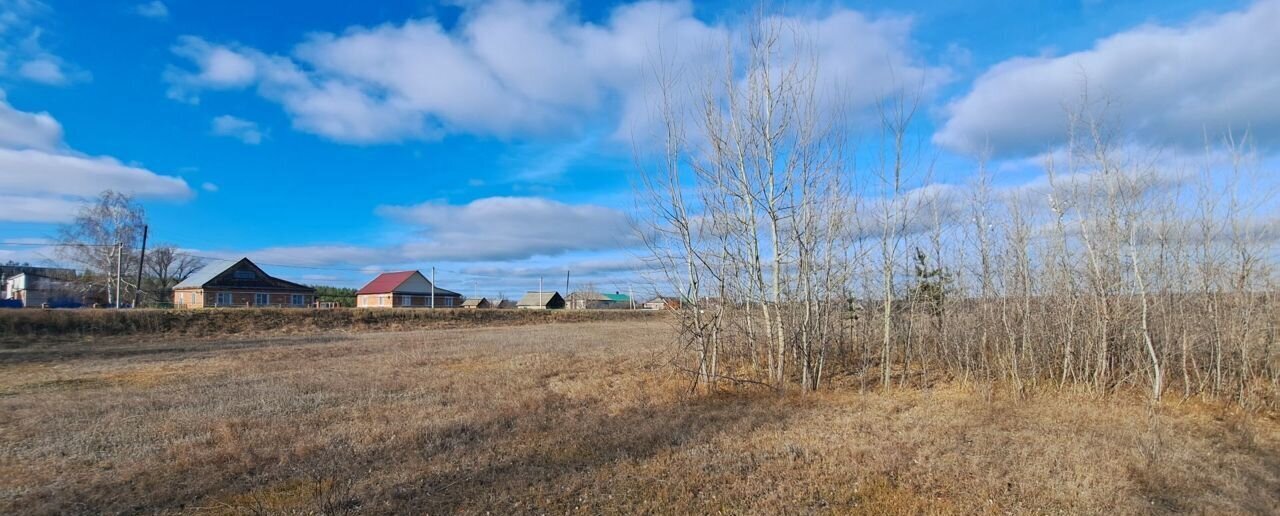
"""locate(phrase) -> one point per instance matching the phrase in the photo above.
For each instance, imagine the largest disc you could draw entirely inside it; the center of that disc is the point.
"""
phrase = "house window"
(298, 300)
(381, 300)
(406, 300)
(261, 299)
(243, 275)
(448, 301)
(223, 299)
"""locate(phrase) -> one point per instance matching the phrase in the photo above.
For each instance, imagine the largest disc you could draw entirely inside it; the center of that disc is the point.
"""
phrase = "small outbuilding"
(405, 289)
(475, 303)
(534, 300)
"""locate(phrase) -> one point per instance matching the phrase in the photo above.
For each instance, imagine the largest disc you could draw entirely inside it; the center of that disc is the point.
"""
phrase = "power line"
(365, 270)
(54, 244)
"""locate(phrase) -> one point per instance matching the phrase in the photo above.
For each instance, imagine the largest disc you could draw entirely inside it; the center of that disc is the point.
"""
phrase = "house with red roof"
(405, 289)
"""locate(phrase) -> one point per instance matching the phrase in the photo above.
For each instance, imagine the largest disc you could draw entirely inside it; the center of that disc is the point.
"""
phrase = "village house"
(534, 300)
(663, 303)
(29, 289)
(596, 301)
(477, 303)
(224, 283)
(405, 289)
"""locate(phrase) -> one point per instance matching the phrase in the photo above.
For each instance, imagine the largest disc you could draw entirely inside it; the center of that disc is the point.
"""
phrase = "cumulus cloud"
(43, 69)
(238, 128)
(479, 233)
(42, 173)
(519, 68)
(1165, 85)
(43, 180)
(504, 228)
(22, 55)
(155, 10)
(36, 209)
(22, 130)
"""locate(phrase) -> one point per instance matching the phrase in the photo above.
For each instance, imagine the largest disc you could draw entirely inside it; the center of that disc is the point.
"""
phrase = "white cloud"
(34, 172)
(154, 9)
(37, 209)
(43, 69)
(209, 187)
(239, 128)
(44, 181)
(494, 229)
(219, 68)
(22, 130)
(1166, 85)
(506, 228)
(22, 55)
(520, 68)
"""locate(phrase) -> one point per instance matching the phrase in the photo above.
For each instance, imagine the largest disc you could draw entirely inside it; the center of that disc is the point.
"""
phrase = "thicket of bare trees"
(1121, 267)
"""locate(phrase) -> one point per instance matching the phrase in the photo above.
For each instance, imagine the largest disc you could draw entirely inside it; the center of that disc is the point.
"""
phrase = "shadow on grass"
(540, 454)
(554, 454)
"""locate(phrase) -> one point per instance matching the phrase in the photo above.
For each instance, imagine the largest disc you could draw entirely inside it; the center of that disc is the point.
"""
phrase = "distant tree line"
(345, 297)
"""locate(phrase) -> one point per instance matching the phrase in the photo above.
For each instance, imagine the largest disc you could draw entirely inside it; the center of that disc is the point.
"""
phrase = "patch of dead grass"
(578, 418)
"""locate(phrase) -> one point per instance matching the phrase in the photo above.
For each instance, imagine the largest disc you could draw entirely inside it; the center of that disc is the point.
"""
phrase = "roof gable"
(535, 298)
(403, 282)
(238, 274)
(386, 282)
(205, 274)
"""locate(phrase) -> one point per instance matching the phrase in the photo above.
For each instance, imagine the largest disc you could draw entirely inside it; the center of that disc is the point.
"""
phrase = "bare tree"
(165, 267)
(103, 238)
(1113, 271)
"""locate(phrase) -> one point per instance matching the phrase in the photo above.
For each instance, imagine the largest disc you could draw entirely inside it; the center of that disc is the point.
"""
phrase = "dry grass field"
(574, 418)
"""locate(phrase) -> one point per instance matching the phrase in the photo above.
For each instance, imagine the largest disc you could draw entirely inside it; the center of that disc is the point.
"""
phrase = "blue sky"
(494, 139)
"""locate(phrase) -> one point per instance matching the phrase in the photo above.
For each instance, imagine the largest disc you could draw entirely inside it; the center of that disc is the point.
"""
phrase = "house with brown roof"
(225, 283)
(405, 289)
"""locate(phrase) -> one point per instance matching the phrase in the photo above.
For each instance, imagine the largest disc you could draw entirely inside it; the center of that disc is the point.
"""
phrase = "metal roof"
(206, 274)
(387, 282)
(618, 298)
(475, 301)
(531, 298)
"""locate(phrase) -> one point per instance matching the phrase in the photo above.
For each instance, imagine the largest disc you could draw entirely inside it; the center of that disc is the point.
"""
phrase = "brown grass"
(22, 327)
(584, 418)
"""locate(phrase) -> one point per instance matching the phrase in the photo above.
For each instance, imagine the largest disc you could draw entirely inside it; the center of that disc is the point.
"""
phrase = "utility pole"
(137, 291)
(433, 287)
(566, 283)
(544, 304)
(631, 297)
(119, 262)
